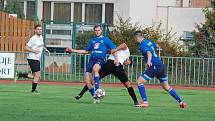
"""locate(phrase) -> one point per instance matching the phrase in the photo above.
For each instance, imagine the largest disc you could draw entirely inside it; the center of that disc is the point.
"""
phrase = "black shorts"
(110, 68)
(34, 65)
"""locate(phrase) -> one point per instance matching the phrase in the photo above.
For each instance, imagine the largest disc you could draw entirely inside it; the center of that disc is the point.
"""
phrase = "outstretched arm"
(70, 50)
(122, 46)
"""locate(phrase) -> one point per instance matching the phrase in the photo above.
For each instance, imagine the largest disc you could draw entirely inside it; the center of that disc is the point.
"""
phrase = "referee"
(34, 47)
(118, 71)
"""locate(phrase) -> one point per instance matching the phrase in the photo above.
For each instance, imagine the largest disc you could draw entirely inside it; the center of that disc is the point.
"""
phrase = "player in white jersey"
(34, 47)
(117, 70)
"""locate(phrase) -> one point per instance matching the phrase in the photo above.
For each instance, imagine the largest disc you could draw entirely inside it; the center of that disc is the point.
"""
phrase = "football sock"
(25, 75)
(142, 91)
(92, 91)
(132, 94)
(34, 86)
(97, 81)
(173, 93)
(83, 90)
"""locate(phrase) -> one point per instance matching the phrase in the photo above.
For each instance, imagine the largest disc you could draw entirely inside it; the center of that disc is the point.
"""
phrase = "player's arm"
(70, 50)
(122, 46)
(46, 50)
(29, 49)
(149, 58)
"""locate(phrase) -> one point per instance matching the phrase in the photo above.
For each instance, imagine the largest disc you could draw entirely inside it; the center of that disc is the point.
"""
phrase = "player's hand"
(36, 50)
(116, 62)
(47, 52)
(113, 51)
(149, 64)
(70, 50)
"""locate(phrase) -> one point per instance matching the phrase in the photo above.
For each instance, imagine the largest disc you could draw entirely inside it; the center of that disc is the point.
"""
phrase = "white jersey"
(123, 55)
(35, 42)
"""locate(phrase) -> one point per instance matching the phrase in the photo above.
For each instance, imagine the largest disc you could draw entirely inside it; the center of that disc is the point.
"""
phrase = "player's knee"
(127, 84)
(36, 79)
(165, 86)
(37, 74)
(96, 67)
(141, 80)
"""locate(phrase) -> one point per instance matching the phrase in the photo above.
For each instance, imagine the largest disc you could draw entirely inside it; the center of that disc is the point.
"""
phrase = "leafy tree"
(204, 36)
(14, 7)
(123, 32)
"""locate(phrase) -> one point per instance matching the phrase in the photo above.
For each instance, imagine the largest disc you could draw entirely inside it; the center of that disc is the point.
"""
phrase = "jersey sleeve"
(154, 45)
(144, 48)
(89, 46)
(110, 43)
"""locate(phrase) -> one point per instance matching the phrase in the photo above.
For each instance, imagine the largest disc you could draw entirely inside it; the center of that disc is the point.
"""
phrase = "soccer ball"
(100, 93)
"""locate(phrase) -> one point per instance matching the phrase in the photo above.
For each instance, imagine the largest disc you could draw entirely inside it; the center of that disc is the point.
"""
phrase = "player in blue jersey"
(155, 68)
(98, 46)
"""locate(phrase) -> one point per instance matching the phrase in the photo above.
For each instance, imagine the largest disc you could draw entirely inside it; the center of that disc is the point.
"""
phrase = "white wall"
(166, 2)
(181, 19)
(185, 19)
(121, 9)
(142, 12)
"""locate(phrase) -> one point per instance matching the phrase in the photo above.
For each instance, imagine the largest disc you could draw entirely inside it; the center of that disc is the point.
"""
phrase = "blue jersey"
(99, 47)
(147, 45)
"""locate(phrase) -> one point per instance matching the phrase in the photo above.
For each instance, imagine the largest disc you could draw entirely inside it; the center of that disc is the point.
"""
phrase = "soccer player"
(98, 45)
(118, 71)
(155, 68)
(34, 47)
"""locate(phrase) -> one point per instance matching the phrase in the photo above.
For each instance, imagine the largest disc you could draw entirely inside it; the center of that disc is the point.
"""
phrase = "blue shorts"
(155, 71)
(92, 62)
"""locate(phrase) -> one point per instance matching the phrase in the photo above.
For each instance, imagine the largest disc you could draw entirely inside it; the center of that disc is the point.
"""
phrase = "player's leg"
(25, 75)
(173, 93)
(35, 82)
(35, 68)
(141, 87)
(88, 77)
(131, 92)
(83, 91)
(104, 71)
(119, 72)
(164, 83)
(146, 76)
(96, 69)
(89, 85)
(22, 75)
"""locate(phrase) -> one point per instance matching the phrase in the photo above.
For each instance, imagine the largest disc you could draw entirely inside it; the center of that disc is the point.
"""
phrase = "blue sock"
(92, 91)
(173, 93)
(97, 82)
(142, 91)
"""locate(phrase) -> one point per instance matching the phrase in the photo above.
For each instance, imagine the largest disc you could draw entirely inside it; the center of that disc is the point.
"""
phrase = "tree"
(14, 7)
(124, 30)
(204, 36)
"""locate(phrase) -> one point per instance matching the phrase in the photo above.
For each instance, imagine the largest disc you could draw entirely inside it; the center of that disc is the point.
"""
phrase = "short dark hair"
(96, 26)
(139, 33)
(38, 25)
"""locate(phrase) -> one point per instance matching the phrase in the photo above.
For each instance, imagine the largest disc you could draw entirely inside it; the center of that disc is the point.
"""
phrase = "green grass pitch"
(56, 103)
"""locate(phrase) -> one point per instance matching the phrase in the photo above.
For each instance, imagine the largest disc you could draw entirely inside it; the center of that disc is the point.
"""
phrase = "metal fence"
(71, 67)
